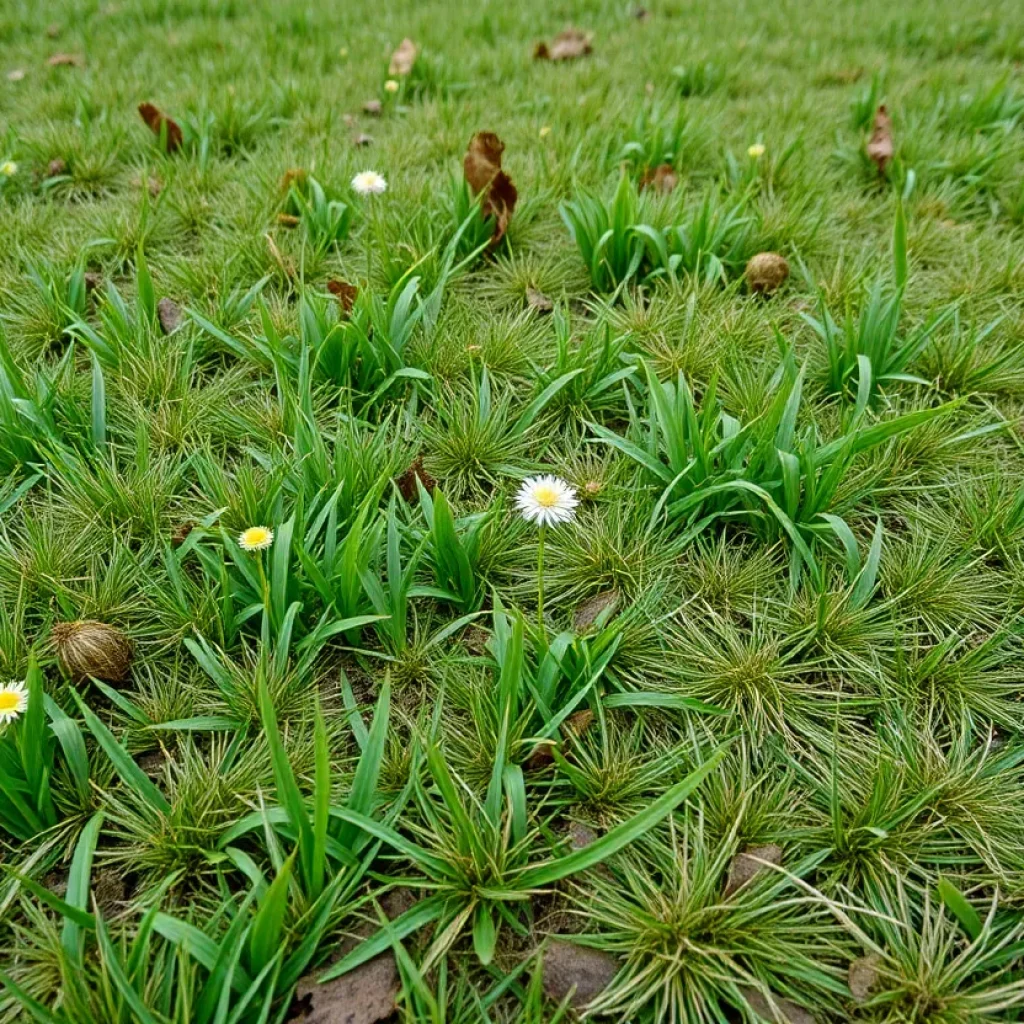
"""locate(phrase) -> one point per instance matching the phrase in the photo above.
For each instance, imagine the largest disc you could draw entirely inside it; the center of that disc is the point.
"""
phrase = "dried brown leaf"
(584, 972)
(538, 301)
(880, 146)
(169, 314)
(362, 139)
(293, 176)
(749, 863)
(588, 612)
(66, 60)
(862, 976)
(288, 220)
(779, 1010)
(406, 483)
(373, 107)
(567, 45)
(482, 168)
(662, 178)
(362, 996)
(403, 58)
(56, 167)
(156, 120)
(344, 292)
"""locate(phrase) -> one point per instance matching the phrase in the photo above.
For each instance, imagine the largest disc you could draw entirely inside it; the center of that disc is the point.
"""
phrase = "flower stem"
(540, 578)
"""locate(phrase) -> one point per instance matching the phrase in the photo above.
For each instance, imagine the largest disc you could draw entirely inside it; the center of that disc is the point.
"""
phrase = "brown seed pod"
(766, 271)
(92, 649)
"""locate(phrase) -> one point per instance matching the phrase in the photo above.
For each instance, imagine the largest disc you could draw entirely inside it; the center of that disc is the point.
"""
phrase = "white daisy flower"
(8, 168)
(13, 701)
(369, 183)
(256, 538)
(547, 500)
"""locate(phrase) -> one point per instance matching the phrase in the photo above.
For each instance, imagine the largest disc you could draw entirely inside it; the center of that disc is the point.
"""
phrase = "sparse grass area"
(750, 735)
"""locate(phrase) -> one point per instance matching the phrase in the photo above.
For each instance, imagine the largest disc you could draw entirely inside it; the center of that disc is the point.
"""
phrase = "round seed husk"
(766, 271)
(90, 649)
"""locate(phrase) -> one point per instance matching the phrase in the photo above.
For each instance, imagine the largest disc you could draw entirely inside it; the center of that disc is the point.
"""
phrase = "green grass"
(788, 612)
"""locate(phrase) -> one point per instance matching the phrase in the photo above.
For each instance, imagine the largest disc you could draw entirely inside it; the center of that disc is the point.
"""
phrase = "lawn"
(506, 524)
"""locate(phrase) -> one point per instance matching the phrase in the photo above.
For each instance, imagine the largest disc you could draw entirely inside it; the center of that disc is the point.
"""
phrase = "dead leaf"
(169, 314)
(538, 301)
(482, 168)
(880, 145)
(362, 139)
(56, 167)
(407, 481)
(749, 863)
(589, 611)
(180, 533)
(567, 45)
(662, 178)
(784, 1011)
(288, 220)
(641, 13)
(344, 292)
(293, 176)
(93, 279)
(156, 121)
(579, 722)
(581, 836)
(16, 75)
(570, 968)
(285, 265)
(109, 888)
(403, 58)
(362, 996)
(373, 107)
(862, 976)
(66, 60)
(53, 30)
(153, 185)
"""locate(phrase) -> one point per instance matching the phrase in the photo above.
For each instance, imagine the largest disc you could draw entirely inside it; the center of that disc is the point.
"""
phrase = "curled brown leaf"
(662, 178)
(482, 168)
(344, 292)
(159, 123)
(567, 45)
(66, 60)
(880, 147)
(403, 58)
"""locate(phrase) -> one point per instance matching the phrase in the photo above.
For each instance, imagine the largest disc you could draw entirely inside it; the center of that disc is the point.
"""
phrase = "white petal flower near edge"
(547, 500)
(13, 701)
(369, 183)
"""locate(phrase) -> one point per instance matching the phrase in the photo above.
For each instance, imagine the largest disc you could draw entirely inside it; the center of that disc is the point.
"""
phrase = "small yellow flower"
(256, 538)
(13, 701)
(391, 85)
(8, 168)
(756, 151)
(545, 131)
(343, 52)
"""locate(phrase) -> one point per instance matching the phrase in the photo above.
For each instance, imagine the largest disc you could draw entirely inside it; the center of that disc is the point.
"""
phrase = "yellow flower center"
(545, 496)
(256, 535)
(8, 701)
